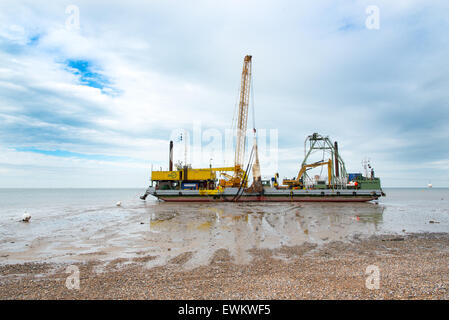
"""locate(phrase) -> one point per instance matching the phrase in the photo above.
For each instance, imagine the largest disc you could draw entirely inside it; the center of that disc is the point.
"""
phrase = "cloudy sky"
(95, 104)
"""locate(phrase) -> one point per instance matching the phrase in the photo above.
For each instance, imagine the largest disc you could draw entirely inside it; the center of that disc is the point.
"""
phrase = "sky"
(91, 92)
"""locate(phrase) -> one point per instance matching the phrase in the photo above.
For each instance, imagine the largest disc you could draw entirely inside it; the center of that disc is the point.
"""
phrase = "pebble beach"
(412, 266)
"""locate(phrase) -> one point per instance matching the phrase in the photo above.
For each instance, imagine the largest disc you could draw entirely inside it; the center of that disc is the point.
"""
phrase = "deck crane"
(237, 178)
(243, 113)
(233, 176)
(298, 182)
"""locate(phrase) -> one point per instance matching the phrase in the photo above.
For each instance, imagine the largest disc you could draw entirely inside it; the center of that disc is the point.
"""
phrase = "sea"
(78, 225)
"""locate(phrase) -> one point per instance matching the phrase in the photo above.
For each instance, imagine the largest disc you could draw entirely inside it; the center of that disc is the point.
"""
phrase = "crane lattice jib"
(243, 113)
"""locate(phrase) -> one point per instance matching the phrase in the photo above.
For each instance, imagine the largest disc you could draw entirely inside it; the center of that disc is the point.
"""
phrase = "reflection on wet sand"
(80, 226)
(204, 228)
(190, 235)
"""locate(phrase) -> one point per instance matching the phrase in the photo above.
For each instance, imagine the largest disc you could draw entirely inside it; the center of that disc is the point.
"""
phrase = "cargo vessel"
(231, 184)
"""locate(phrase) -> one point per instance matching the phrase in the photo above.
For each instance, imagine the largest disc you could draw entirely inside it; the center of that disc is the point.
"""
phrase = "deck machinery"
(185, 184)
(336, 170)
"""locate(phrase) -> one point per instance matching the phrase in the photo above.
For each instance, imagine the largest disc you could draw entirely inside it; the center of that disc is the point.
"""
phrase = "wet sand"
(166, 230)
(411, 266)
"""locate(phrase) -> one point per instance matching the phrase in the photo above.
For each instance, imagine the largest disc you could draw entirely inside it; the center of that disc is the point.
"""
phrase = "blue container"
(353, 176)
(189, 186)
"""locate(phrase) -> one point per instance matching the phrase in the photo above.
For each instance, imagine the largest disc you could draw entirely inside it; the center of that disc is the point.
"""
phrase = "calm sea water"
(81, 224)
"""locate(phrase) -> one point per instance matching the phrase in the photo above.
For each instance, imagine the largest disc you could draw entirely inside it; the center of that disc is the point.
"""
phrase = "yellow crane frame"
(296, 182)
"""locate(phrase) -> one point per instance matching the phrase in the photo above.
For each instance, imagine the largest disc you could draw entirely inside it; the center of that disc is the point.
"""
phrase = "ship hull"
(268, 195)
(267, 199)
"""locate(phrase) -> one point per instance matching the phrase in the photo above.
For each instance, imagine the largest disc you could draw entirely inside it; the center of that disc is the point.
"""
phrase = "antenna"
(183, 136)
(185, 147)
(366, 164)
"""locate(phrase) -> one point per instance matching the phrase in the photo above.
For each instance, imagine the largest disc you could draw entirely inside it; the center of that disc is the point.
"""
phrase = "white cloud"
(316, 69)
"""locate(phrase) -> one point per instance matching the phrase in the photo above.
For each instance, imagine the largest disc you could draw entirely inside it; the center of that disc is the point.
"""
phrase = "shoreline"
(411, 266)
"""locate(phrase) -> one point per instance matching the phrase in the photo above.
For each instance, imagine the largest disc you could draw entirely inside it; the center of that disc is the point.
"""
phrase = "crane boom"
(238, 179)
(297, 182)
(243, 113)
